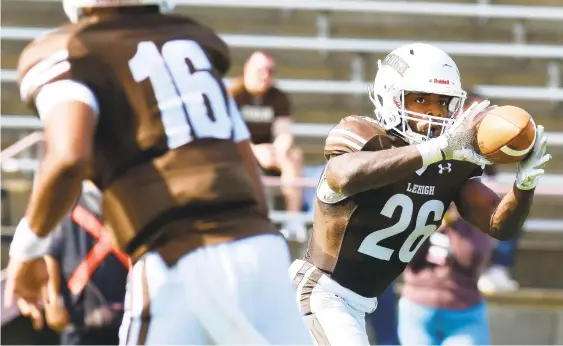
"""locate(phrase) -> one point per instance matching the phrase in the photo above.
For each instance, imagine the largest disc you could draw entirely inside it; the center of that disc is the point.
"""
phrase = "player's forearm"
(367, 170)
(511, 213)
(353, 173)
(58, 187)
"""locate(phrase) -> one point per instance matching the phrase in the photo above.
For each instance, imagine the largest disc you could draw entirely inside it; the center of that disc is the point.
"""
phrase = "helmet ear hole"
(454, 105)
(380, 99)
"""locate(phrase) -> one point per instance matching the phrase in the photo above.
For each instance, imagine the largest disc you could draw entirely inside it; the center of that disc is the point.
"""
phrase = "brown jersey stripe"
(352, 134)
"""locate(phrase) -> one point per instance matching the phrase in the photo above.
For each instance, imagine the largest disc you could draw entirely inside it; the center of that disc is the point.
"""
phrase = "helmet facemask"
(398, 117)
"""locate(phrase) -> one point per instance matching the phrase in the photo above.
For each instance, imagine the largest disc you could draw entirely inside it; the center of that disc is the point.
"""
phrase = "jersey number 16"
(181, 93)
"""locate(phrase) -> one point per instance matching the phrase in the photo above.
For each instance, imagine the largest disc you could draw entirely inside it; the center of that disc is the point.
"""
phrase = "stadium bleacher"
(326, 52)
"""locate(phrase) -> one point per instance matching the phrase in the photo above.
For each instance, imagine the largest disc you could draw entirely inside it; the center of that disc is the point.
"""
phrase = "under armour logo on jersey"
(446, 168)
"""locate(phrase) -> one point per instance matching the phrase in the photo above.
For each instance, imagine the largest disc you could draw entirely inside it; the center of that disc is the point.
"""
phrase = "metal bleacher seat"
(512, 50)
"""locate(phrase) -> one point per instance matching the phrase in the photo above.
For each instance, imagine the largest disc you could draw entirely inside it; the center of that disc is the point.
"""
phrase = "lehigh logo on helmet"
(396, 62)
(441, 81)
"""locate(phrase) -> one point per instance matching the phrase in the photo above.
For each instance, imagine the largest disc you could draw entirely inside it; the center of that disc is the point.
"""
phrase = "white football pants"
(230, 293)
(334, 314)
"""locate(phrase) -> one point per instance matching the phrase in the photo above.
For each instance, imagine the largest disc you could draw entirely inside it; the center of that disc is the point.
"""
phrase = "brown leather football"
(506, 134)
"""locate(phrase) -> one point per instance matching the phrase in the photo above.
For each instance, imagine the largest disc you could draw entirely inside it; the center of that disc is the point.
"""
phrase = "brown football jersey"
(165, 153)
(260, 111)
(365, 241)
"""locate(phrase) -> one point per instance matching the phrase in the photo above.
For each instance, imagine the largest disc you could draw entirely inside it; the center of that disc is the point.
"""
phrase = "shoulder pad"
(358, 133)
(47, 59)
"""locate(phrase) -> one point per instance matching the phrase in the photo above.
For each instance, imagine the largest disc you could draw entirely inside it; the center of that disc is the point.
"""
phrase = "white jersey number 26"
(370, 246)
(180, 91)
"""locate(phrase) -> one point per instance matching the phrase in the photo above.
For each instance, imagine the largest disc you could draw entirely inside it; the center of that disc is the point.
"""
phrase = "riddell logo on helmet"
(441, 81)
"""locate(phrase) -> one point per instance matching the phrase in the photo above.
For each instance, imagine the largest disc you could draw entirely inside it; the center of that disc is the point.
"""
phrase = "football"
(505, 134)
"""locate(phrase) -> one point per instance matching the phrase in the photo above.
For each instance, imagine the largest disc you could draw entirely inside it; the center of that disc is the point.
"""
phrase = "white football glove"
(530, 169)
(456, 143)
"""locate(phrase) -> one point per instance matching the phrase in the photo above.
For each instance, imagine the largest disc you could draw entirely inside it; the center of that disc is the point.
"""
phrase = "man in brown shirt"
(267, 113)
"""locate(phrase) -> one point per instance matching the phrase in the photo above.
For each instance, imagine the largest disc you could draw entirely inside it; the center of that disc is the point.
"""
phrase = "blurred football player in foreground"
(134, 99)
(387, 184)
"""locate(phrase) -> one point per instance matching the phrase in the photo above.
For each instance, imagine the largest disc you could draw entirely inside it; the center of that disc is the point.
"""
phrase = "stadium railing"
(350, 45)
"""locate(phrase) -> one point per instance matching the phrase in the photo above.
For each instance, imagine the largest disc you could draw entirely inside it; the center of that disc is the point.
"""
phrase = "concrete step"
(10, 53)
(395, 26)
(538, 264)
(374, 25)
(525, 321)
(35, 14)
(10, 100)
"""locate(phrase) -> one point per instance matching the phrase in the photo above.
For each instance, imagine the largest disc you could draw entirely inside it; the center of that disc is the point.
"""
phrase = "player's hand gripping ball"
(505, 134)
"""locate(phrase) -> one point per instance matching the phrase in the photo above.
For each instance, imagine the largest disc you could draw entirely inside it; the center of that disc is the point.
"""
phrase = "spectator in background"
(267, 113)
(497, 278)
(90, 275)
(440, 302)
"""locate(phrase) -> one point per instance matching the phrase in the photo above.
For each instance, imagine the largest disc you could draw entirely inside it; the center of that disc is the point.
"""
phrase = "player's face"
(428, 104)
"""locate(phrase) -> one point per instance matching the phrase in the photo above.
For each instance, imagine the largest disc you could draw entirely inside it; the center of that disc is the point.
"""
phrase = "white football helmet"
(74, 7)
(415, 68)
